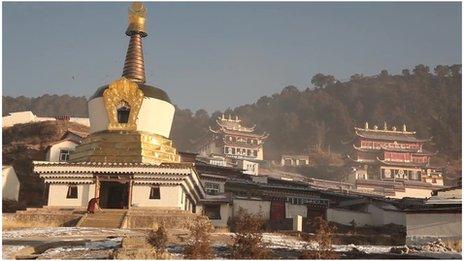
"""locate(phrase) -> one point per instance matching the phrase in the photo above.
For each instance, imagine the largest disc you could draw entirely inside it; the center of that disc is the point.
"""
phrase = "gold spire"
(134, 67)
(137, 13)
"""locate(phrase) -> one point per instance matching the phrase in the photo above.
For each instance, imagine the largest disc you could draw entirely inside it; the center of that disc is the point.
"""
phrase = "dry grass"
(248, 243)
(454, 244)
(323, 236)
(199, 242)
(38, 220)
(158, 239)
(136, 247)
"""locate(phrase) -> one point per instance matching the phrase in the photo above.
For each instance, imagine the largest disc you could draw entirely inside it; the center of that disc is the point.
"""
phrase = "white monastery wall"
(10, 187)
(253, 207)
(170, 197)
(260, 154)
(429, 226)
(292, 210)
(53, 153)
(414, 193)
(454, 193)
(85, 192)
(382, 217)
(343, 216)
(226, 213)
(27, 116)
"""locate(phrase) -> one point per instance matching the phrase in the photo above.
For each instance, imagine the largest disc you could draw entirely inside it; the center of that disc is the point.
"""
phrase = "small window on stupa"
(123, 112)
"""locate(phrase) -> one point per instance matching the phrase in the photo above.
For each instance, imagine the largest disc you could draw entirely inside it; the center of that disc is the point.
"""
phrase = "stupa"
(128, 159)
(130, 121)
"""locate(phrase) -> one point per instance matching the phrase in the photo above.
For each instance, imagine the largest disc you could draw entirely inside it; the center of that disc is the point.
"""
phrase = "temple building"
(391, 155)
(240, 146)
(127, 160)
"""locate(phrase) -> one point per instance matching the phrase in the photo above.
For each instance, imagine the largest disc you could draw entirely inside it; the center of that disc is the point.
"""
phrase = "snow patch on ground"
(59, 232)
(282, 241)
(369, 249)
(8, 251)
(89, 246)
(288, 242)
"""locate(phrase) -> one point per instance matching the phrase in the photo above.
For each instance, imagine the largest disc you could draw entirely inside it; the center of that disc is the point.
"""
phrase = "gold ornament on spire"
(137, 14)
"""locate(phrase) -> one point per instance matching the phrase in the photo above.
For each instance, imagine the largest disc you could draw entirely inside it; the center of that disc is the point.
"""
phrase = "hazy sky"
(219, 55)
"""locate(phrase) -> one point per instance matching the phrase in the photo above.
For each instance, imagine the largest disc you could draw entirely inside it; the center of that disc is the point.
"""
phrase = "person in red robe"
(93, 205)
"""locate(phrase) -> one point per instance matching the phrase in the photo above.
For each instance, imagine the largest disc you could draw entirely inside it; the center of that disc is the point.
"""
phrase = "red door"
(277, 210)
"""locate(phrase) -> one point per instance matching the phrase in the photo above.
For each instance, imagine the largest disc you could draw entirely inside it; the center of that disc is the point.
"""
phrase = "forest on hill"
(321, 116)
(324, 116)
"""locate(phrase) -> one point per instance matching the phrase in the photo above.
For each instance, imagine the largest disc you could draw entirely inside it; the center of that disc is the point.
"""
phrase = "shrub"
(199, 242)
(353, 226)
(158, 239)
(248, 243)
(323, 236)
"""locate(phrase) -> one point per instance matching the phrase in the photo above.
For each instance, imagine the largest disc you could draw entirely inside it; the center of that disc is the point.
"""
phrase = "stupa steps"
(104, 218)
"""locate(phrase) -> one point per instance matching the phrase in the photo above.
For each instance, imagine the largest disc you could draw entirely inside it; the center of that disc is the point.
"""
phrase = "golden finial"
(137, 14)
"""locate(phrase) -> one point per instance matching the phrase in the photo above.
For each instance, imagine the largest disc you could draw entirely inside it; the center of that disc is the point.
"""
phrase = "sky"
(213, 55)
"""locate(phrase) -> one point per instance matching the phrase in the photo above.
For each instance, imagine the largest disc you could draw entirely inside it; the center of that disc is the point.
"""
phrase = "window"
(64, 155)
(212, 188)
(155, 192)
(212, 211)
(233, 150)
(72, 191)
(123, 112)
(255, 153)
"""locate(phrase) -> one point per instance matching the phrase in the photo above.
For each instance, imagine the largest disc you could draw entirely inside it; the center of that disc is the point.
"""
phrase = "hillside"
(24, 143)
(322, 117)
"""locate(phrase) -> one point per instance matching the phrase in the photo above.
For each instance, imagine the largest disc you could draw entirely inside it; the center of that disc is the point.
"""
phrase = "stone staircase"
(107, 218)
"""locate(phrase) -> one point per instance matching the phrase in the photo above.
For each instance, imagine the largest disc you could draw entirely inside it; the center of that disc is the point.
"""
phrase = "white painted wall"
(253, 206)
(249, 167)
(382, 217)
(226, 213)
(97, 115)
(414, 193)
(343, 216)
(155, 116)
(57, 195)
(170, 197)
(53, 153)
(433, 225)
(292, 210)
(10, 187)
(454, 193)
(27, 116)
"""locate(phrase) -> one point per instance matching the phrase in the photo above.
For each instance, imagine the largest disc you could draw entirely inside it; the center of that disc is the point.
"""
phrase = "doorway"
(277, 210)
(114, 194)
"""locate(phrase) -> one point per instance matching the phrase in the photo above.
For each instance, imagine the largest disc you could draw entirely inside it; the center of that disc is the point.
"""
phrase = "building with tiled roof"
(233, 140)
(392, 155)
